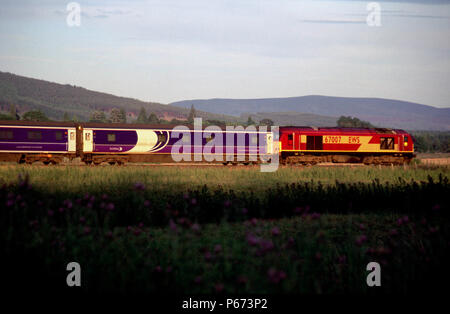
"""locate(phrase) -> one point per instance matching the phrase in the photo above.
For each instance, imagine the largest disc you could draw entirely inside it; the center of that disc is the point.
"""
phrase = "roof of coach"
(341, 130)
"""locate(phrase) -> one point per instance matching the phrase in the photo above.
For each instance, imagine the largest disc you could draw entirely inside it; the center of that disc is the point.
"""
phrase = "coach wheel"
(88, 162)
(112, 163)
(97, 163)
(46, 163)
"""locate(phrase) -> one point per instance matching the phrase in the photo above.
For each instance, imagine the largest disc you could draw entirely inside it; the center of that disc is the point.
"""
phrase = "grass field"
(226, 229)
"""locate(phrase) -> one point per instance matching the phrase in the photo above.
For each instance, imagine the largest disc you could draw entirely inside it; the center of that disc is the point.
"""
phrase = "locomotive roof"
(341, 130)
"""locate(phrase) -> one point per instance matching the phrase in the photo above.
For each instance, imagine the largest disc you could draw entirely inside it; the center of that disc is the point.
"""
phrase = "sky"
(169, 50)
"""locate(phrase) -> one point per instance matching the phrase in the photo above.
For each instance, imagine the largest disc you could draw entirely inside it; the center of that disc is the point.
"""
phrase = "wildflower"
(172, 225)
(208, 256)
(61, 209)
(275, 276)
(139, 186)
(109, 234)
(219, 287)
(318, 256)
(169, 269)
(86, 230)
(436, 207)
(9, 203)
(362, 227)
(242, 280)
(82, 219)
(244, 211)
(227, 203)
(50, 213)
(198, 279)
(110, 207)
(361, 239)
(217, 248)
(342, 259)
(195, 227)
(158, 269)
(393, 232)
(275, 231)
(68, 203)
(146, 203)
(193, 201)
(315, 216)
(252, 240)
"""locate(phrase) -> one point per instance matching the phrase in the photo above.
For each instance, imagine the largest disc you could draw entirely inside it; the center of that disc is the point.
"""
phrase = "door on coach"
(88, 142)
(72, 140)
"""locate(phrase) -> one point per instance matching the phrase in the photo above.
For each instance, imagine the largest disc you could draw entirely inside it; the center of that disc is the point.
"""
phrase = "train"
(95, 143)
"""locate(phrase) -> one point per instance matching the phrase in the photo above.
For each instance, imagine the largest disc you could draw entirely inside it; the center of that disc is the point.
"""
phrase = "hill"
(378, 111)
(55, 99)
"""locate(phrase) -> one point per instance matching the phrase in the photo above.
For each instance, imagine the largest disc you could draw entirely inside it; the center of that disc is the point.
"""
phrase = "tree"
(13, 112)
(5, 117)
(191, 115)
(142, 117)
(267, 122)
(35, 115)
(117, 116)
(123, 115)
(66, 117)
(153, 119)
(98, 116)
(250, 121)
(351, 122)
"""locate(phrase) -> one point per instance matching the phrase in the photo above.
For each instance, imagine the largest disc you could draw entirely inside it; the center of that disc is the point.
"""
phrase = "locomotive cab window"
(87, 137)
(386, 143)
(111, 137)
(6, 135)
(34, 135)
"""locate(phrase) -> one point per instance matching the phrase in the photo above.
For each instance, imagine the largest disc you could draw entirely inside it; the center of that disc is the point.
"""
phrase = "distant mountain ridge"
(56, 99)
(379, 111)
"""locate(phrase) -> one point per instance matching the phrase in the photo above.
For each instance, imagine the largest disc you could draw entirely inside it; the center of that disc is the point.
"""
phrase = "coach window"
(386, 143)
(111, 137)
(34, 135)
(254, 139)
(6, 135)
(58, 135)
(72, 136)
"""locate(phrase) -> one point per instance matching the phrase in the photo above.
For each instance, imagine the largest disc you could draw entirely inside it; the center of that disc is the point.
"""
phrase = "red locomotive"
(311, 145)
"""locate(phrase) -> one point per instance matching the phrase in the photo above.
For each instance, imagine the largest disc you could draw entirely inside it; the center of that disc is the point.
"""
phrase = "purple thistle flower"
(86, 230)
(50, 213)
(361, 239)
(275, 231)
(193, 201)
(217, 248)
(110, 207)
(9, 203)
(244, 211)
(139, 186)
(252, 240)
(219, 287)
(227, 203)
(198, 279)
(195, 227)
(82, 219)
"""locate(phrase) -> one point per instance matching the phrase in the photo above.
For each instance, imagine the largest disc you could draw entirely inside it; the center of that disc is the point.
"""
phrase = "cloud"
(333, 21)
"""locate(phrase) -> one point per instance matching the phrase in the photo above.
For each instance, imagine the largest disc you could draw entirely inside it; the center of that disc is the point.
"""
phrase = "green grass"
(95, 179)
(303, 230)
